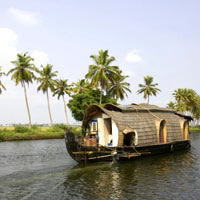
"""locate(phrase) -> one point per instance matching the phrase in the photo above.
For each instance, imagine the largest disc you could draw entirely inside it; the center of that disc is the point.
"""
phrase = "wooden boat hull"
(82, 153)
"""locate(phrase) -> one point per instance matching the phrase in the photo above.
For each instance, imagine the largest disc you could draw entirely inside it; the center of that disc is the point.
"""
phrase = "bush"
(21, 129)
(60, 126)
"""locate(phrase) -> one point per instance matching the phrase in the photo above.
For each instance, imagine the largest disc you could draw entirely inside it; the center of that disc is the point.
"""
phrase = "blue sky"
(157, 38)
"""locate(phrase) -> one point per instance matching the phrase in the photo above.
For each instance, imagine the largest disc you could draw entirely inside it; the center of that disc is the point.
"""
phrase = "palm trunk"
(148, 99)
(27, 106)
(65, 110)
(49, 108)
(101, 94)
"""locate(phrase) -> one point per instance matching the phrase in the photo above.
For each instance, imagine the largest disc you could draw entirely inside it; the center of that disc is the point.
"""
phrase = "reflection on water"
(43, 170)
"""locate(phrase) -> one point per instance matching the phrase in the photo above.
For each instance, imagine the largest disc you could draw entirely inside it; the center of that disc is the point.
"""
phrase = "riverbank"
(16, 133)
(195, 128)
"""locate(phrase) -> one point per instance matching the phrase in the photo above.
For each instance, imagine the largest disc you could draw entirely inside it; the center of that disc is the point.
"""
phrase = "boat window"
(93, 125)
(185, 130)
(162, 132)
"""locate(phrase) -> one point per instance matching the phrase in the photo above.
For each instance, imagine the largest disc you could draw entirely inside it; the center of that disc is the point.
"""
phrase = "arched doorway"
(130, 137)
(185, 130)
(162, 132)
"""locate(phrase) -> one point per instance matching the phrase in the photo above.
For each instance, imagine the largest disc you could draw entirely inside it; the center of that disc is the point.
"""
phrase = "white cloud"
(40, 58)
(8, 50)
(134, 57)
(24, 17)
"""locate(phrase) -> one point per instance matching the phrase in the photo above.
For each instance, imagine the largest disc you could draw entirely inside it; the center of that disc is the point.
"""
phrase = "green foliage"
(36, 132)
(81, 86)
(101, 72)
(149, 88)
(61, 88)
(119, 86)
(195, 128)
(186, 101)
(23, 71)
(80, 102)
(46, 78)
(21, 129)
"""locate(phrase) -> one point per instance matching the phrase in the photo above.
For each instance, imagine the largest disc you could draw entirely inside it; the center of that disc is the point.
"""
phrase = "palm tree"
(148, 88)
(119, 86)
(101, 73)
(23, 73)
(81, 86)
(171, 105)
(62, 88)
(46, 83)
(1, 84)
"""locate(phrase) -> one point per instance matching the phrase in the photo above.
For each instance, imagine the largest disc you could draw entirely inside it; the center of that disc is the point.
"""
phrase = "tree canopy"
(102, 72)
(80, 102)
(148, 88)
(186, 101)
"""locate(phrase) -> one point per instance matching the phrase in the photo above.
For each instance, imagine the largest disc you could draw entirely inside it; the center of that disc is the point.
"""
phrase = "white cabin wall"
(101, 131)
(104, 137)
(115, 134)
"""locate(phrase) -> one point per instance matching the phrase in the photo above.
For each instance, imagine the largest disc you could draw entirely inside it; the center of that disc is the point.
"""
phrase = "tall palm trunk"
(101, 94)
(49, 108)
(27, 106)
(65, 110)
(147, 99)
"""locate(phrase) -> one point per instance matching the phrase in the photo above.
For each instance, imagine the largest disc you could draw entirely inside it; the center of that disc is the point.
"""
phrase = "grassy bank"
(35, 133)
(195, 128)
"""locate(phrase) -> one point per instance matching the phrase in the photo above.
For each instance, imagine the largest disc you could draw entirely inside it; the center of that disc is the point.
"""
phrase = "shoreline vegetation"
(57, 131)
(19, 132)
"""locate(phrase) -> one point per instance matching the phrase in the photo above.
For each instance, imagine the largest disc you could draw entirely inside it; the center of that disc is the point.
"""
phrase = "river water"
(44, 170)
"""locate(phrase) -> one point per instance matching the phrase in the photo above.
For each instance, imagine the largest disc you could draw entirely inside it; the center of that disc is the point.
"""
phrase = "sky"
(157, 38)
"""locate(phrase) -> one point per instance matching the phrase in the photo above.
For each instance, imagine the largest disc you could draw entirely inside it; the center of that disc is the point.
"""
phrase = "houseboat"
(117, 132)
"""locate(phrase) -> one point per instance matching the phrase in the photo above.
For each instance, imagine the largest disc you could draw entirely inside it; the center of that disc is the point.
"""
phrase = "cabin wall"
(107, 130)
(101, 131)
(115, 134)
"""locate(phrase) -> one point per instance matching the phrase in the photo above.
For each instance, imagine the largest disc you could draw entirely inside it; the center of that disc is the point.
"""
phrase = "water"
(44, 170)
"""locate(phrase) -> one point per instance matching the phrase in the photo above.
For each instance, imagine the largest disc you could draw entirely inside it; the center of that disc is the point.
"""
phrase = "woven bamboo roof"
(132, 112)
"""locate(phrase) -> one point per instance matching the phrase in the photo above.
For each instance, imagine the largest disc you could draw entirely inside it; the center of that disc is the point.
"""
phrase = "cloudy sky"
(157, 38)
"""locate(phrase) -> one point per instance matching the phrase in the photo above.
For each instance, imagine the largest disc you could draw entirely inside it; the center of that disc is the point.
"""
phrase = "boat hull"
(82, 153)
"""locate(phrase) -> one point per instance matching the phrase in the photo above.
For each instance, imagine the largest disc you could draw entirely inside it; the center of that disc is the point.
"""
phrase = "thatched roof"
(132, 108)
(142, 118)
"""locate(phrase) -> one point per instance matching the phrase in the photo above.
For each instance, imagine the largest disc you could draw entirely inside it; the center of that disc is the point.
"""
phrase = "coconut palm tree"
(101, 72)
(62, 88)
(23, 73)
(47, 82)
(171, 105)
(119, 86)
(149, 88)
(1, 84)
(81, 86)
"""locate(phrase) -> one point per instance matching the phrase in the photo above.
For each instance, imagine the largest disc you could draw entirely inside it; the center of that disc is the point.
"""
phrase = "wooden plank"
(90, 152)
(100, 157)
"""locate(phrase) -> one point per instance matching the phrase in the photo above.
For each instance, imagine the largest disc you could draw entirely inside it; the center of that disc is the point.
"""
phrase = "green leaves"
(107, 78)
(61, 88)
(46, 78)
(187, 100)
(148, 88)
(24, 69)
(80, 102)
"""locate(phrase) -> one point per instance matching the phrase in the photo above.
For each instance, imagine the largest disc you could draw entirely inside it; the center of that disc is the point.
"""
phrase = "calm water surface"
(44, 170)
